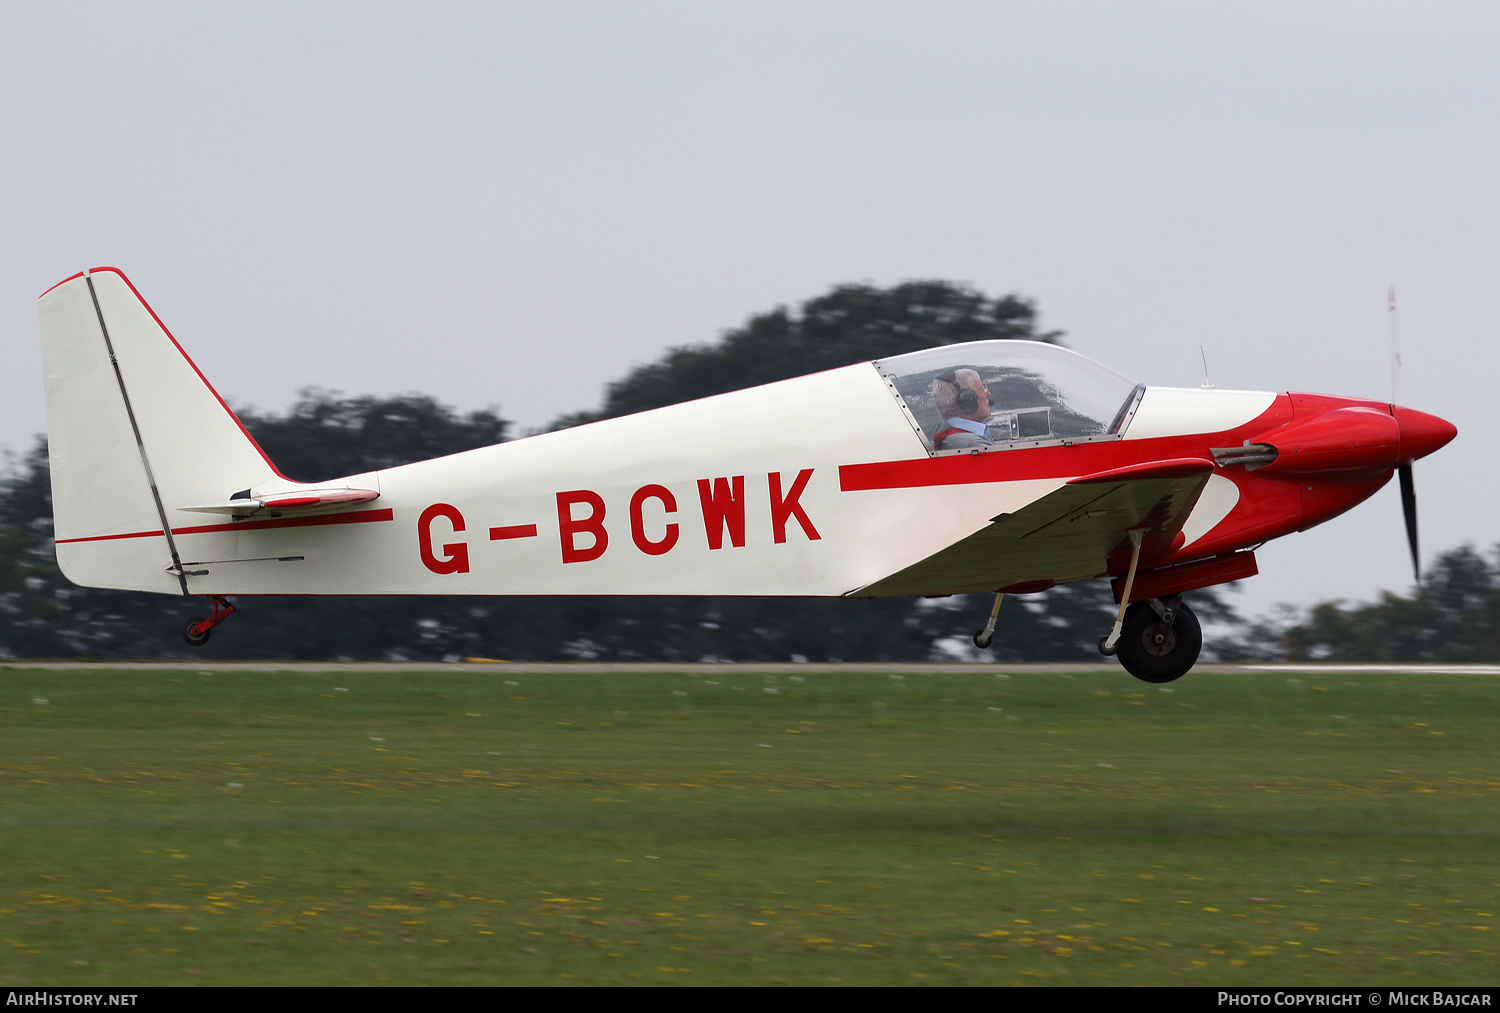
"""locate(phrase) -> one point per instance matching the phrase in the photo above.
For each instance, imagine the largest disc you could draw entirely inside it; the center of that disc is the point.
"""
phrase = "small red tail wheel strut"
(196, 631)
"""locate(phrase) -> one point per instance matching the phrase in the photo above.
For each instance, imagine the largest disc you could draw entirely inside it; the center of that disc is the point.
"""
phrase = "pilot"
(964, 404)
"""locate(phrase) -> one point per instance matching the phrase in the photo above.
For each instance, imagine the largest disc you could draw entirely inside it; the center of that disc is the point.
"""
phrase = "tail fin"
(134, 432)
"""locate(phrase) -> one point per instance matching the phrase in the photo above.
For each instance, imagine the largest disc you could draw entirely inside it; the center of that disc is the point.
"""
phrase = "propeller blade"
(1409, 511)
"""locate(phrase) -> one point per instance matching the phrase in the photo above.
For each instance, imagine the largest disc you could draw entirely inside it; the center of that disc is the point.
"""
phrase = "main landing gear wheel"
(1156, 651)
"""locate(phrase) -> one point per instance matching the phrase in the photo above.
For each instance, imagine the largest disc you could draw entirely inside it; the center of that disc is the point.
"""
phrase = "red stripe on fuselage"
(355, 517)
(1050, 462)
(108, 538)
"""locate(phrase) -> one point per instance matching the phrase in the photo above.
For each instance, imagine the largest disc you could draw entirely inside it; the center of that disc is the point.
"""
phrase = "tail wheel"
(1154, 651)
(196, 631)
(195, 636)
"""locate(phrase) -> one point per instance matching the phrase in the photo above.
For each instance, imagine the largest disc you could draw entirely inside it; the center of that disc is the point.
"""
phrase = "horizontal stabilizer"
(299, 500)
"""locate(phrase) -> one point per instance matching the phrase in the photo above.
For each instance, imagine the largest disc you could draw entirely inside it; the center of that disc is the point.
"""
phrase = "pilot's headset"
(968, 401)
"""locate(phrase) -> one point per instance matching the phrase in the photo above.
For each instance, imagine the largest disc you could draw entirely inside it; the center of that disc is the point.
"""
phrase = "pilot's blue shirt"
(979, 429)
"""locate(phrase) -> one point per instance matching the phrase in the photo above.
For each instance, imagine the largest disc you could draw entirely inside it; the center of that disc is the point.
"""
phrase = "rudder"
(134, 433)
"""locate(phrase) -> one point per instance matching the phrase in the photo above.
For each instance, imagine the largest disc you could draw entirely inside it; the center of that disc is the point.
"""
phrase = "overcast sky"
(509, 205)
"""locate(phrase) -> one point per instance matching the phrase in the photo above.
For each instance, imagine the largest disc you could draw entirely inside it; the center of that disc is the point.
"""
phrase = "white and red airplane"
(1042, 467)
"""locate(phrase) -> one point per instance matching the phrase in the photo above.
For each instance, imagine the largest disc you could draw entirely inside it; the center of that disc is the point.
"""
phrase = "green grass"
(482, 826)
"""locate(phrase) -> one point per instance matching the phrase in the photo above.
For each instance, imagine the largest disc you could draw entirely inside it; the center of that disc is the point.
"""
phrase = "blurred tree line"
(1454, 617)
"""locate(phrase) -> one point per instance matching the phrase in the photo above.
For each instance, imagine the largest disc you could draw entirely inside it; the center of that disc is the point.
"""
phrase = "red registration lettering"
(638, 526)
(569, 529)
(455, 558)
(723, 507)
(783, 510)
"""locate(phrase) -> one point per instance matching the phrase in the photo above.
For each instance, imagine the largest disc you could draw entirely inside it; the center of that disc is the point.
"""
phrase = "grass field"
(485, 827)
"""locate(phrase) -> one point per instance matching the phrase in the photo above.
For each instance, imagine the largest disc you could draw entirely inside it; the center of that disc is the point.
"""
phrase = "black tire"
(1153, 653)
(983, 640)
(193, 638)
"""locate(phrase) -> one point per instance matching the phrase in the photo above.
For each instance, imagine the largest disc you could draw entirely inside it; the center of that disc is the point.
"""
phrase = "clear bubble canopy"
(995, 395)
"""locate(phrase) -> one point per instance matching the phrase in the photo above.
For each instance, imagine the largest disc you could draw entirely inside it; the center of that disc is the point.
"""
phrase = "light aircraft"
(1042, 467)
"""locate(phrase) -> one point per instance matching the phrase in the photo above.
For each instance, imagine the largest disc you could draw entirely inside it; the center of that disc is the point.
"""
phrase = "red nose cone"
(1421, 433)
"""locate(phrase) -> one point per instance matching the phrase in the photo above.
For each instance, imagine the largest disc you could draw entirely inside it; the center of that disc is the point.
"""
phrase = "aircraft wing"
(1066, 535)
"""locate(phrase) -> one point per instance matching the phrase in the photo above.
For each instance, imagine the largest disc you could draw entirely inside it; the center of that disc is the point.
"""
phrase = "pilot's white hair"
(945, 395)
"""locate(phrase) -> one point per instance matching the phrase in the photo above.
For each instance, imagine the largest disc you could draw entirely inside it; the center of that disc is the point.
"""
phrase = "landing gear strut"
(196, 631)
(1107, 644)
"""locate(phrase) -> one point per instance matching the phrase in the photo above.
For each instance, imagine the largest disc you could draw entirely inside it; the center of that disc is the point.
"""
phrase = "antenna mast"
(1395, 346)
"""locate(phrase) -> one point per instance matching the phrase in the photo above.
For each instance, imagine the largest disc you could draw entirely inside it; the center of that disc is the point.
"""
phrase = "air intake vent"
(1251, 455)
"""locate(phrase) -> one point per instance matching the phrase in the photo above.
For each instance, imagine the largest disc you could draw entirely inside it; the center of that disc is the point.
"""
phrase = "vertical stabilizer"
(134, 433)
